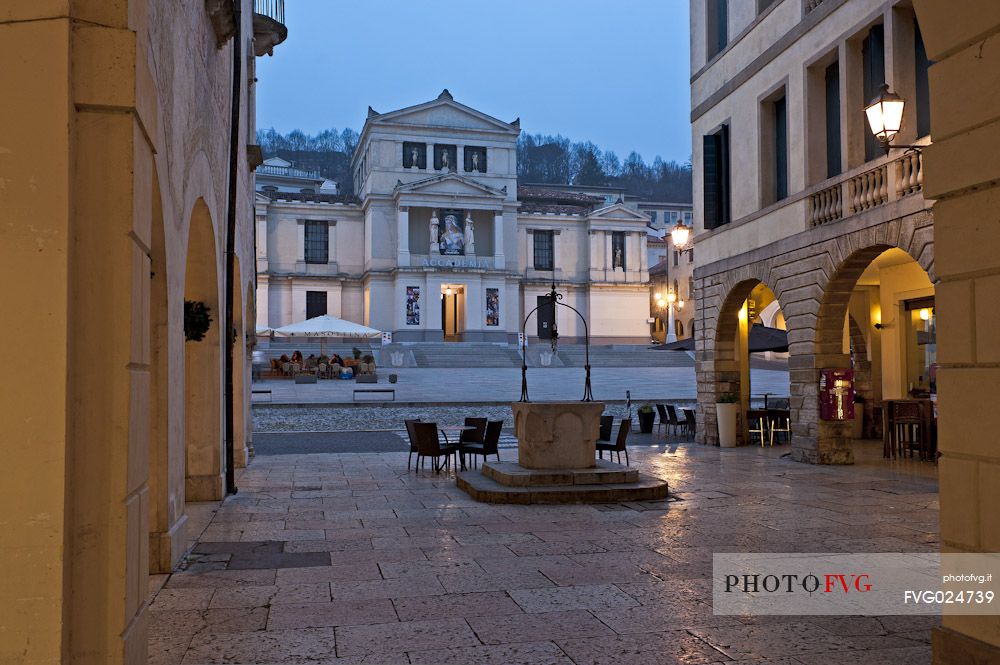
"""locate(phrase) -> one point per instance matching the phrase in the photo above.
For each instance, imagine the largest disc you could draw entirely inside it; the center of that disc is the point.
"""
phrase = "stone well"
(557, 462)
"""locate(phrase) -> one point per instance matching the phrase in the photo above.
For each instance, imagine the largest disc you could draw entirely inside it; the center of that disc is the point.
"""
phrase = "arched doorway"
(740, 311)
(877, 317)
(203, 369)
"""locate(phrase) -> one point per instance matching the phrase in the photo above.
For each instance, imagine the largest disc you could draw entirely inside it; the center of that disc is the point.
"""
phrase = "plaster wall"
(142, 90)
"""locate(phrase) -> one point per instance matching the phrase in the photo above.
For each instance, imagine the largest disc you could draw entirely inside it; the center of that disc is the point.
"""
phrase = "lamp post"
(885, 118)
(670, 303)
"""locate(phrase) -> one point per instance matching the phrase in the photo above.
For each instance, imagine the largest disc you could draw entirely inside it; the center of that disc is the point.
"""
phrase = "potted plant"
(197, 320)
(393, 378)
(647, 417)
(357, 353)
(727, 409)
(858, 426)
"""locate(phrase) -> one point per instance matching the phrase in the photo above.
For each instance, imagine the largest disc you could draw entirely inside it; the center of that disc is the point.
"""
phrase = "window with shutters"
(717, 26)
(873, 77)
(315, 304)
(774, 148)
(922, 84)
(831, 84)
(317, 242)
(716, 178)
(543, 250)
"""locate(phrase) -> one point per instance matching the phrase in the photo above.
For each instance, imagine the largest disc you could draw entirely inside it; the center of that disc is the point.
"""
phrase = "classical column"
(671, 327)
(609, 259)
(643, 255)
(403, 236)
(499, 261)
(460, 159)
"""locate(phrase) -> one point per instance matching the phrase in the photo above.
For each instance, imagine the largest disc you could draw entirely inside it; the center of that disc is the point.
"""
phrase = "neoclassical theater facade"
(441, 244)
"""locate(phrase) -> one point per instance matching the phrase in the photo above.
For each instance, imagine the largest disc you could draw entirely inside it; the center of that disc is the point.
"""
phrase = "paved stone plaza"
(503, 384)
(347, 558)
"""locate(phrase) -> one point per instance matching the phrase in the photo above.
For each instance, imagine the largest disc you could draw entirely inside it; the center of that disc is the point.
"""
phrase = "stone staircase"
(465, 354)
(623, 355)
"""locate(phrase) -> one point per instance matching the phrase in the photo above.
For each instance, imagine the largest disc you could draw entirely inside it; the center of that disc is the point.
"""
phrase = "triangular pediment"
(443, 112)
(449, 184)
(619, 212)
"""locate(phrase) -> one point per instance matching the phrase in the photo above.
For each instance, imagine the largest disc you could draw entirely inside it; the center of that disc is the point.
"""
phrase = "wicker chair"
(489, 445)
(413, 439)
(429, 445)
(619, 445)
(607, 422)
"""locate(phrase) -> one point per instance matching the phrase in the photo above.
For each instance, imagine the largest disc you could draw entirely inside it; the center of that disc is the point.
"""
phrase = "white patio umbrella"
(327, 326)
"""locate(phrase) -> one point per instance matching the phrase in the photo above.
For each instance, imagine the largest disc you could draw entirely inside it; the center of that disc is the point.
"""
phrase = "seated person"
(324, 359)
(336, 360)
(367, 365)
(297, 357)
(284, 358)
(310, 362)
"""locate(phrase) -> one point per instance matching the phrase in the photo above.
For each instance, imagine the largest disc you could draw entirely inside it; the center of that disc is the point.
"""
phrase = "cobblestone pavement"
(470, 385)
(350, 559)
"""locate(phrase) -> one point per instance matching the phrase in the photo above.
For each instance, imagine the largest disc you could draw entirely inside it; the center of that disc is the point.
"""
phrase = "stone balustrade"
(867, 188)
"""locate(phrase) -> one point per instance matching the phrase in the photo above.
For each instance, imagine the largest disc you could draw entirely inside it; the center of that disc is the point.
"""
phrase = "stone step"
(487, 490)
(512, 474)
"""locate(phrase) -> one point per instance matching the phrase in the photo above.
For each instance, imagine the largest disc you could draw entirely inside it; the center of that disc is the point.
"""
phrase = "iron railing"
(273, 9)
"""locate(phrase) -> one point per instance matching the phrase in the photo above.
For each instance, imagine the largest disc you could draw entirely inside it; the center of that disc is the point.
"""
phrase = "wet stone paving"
(349, 558)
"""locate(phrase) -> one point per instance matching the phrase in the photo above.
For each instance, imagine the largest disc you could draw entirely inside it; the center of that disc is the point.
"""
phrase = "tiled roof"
(531, 207)
(310, 198)
(535, 193)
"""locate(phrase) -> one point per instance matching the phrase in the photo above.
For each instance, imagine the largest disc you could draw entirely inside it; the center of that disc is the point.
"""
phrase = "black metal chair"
(490, 444)
(661, 410)
(619, 445)
(429, 445)
(607, 422)
(690, 423)
(413, 439)
(674, 421)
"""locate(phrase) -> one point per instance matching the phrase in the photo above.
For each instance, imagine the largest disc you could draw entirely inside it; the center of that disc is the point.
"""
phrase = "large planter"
(646, 421)
(727, 415)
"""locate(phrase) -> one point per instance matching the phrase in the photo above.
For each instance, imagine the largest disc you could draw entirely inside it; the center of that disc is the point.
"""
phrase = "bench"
(260, 391)
(369, 391)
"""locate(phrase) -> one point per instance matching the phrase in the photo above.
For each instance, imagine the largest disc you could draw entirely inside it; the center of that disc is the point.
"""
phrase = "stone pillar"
(403, 236)
(331, 242)
(499, 260)
(609, 259)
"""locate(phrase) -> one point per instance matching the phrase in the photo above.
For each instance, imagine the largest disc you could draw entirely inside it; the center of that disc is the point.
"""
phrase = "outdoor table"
(459, 429)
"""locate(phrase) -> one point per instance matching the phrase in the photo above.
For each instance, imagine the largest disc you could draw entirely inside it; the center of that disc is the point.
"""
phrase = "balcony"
(866, 187)
(269, 28)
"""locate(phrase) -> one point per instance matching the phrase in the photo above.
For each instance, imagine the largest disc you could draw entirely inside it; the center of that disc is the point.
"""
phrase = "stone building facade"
(792, 195)
(120, 172)
(441, 243)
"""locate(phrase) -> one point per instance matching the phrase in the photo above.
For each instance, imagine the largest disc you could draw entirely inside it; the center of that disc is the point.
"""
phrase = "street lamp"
(680, 235)
(885, 117)
(670, 303)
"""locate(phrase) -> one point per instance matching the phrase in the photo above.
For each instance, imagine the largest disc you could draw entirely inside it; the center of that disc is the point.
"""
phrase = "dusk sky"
(615, 73)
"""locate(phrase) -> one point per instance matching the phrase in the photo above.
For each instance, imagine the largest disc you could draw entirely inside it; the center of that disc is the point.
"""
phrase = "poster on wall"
(492, 307)
(413, 305)
(452, 238)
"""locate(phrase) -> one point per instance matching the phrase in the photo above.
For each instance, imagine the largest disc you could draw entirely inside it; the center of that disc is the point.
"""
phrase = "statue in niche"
(414, 158)
(445, 161)
(470, 239)
(618, 263)
(434, 232)
(475, 161)
(452, 240)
